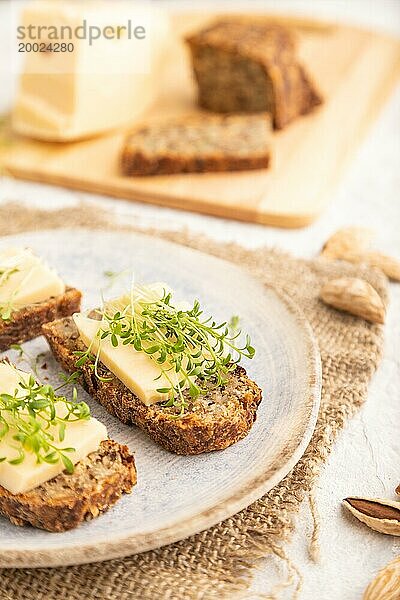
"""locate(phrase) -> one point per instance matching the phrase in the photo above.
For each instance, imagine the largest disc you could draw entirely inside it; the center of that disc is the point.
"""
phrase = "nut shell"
(356, 297)
(347, 239)
(379, 514)
(353, 245)
(386, 584)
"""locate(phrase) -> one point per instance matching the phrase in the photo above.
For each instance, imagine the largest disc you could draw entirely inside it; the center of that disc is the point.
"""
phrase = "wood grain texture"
(355, 71)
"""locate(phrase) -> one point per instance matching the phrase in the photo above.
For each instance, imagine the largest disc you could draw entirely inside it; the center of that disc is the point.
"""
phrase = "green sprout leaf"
(32, 412)
(68, 464)
(189, 348)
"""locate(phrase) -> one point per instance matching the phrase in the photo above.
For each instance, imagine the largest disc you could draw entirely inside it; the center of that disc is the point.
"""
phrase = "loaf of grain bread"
(244, 65)
(67, 500)
(212, 422)
(198, 144)
(26, 323)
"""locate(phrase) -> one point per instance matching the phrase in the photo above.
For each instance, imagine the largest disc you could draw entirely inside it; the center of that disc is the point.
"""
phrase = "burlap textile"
(219, 562)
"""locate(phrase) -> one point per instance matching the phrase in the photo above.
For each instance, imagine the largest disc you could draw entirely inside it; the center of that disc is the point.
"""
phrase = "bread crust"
(138, 164)
(268, 45)
(135, 162)
(81, 497)
(193, 433)
(26, 323)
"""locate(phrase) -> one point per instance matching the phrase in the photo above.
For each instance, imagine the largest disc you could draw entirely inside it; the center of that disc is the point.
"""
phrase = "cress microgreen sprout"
(189, 347)
(40, 416)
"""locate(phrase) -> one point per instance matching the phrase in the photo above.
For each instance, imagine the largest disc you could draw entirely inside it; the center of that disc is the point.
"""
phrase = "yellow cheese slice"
(84, 436)
(25, 278)
(136, 370)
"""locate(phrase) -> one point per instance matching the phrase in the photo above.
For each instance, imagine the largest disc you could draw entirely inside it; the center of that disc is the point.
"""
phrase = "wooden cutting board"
(355, 71)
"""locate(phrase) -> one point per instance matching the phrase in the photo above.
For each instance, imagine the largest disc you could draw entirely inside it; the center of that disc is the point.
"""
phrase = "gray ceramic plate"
(177, 496)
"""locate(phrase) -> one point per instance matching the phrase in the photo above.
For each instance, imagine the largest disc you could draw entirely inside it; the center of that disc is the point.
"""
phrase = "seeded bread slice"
(250, 65)
(199, 144)
(213, 422)
(67, 500)
(26, 323)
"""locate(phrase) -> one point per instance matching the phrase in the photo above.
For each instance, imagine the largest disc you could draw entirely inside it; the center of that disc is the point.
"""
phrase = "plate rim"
(240, 499)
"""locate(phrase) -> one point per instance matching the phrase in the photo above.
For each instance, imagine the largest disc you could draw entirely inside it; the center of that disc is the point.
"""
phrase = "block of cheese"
(105, 82)
(83, 435)
(25, 278)
(135, 369)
